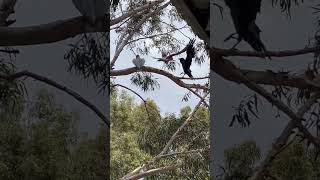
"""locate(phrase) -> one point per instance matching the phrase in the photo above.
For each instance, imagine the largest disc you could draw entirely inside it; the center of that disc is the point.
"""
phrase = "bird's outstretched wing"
(190, 53)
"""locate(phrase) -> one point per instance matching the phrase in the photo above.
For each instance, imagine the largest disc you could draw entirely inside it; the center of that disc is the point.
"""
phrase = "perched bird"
(243, 15)
(186, 63)
(165, 57)
(92, 9)
(138, 61)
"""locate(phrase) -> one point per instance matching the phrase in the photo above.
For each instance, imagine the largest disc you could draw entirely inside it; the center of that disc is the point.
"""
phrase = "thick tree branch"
(153, 172)
(219, 63)
(58, 86)
(175, 79)
(285, 53)
(184, 152)
(266, 77)
(51, 32)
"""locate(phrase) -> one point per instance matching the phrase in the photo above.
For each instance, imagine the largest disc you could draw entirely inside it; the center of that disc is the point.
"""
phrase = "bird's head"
(181, 59)
(137, 56)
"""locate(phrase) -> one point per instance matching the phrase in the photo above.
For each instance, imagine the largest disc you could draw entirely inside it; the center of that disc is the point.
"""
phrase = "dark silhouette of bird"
(186, 63)
(244, 13)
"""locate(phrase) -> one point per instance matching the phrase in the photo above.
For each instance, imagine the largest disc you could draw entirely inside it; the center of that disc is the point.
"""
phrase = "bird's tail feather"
(189, 74)
(253, 38)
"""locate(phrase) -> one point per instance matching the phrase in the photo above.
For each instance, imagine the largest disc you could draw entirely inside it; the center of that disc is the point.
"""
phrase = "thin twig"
(58, 86)
(144, 101)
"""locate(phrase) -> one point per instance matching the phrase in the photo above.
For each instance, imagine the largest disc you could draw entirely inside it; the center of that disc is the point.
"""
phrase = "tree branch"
(51, 32)
(169, 143)
(184, 152)
(135, 11)
(133, 31)
(134, 92)
(58, 86)
(220, 64)
(285, 53)
(280, 143)
(265, 77)
(173, 137)
(152, 172)
(175, 79)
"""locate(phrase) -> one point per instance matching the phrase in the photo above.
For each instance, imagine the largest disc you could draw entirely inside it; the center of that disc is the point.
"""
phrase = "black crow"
(244, 13)
(186, 63)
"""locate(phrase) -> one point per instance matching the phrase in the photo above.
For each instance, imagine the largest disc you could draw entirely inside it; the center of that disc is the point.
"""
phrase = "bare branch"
(186, 122)
(195, 78)
(199, 96)
(58, 86)
(152, 172)
(220, 63)
(266, 77)
(49, 33)
(285, 53)
(152, 36)
(175, 79)
(184, 152)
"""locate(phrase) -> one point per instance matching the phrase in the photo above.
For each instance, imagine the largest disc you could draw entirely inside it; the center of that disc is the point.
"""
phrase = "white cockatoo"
(92, 9)
(138, 61)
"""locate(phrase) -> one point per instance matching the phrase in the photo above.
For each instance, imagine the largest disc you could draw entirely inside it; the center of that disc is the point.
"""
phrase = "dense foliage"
(295, 162)
(136, 137)
(40, 140)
